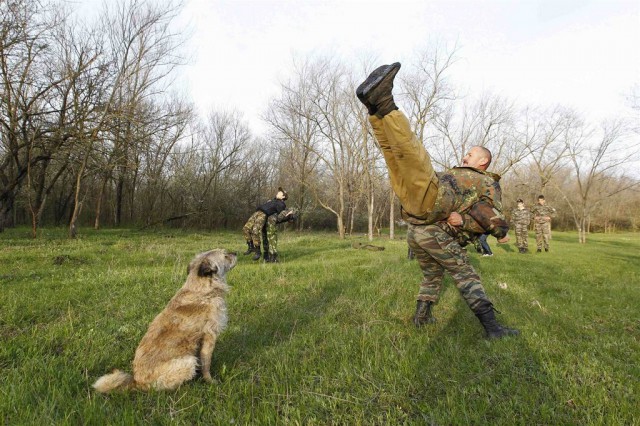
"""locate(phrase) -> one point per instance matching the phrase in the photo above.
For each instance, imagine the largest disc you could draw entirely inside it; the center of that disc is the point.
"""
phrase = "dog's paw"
(207, 378)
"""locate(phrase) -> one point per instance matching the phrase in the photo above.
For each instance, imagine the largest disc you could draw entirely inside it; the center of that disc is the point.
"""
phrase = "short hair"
(519, 200)
(540, 197)
(486, 153)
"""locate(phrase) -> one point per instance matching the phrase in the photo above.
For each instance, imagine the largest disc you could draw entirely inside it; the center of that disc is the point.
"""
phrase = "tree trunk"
(3, 218)
(119, 198)
(77, 204)
(340, 226)
(352, 213)
(96, 223)
(370, 214)
(392, 222)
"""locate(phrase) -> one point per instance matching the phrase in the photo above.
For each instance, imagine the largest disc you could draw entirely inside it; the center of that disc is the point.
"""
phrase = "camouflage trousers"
(522, 235)
(252, 230)
(543, 234)
(438, 252)
(270, 235)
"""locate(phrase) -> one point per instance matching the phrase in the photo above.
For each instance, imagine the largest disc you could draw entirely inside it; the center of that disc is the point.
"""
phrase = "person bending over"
(252, 230)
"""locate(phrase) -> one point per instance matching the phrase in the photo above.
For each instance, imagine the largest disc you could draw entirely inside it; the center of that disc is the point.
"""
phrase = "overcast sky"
(583, 54)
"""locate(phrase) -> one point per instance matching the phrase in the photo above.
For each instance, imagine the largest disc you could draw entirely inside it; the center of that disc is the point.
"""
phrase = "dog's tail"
(116, 380)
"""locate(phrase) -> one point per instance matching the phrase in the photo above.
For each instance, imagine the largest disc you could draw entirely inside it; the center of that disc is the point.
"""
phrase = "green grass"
(325, 337)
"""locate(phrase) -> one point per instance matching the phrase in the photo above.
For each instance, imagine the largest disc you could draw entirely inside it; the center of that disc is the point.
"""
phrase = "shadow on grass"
(271, 324)
(509, 248)
(289, 253)
(489, 381)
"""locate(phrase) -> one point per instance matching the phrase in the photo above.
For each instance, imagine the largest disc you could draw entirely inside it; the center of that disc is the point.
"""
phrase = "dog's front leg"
(208, 343)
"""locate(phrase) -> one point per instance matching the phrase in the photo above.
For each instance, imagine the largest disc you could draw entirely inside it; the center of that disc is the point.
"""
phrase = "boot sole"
(364, 90)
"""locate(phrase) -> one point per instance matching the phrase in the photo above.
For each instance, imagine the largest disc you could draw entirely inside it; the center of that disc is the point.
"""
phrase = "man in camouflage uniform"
(443, 211)
(520, 218)
(542, 215)
(270, 233)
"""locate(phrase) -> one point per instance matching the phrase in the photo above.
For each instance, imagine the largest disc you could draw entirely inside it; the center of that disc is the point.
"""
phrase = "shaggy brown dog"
(190, 324)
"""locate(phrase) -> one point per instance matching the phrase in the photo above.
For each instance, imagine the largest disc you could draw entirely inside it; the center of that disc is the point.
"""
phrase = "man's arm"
(287, 215)
(490, 219)
(466, 222)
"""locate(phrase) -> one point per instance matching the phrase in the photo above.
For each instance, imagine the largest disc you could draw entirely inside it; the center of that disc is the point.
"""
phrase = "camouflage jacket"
(476, 195)
(286, 215)
(539, 212)
(520, 216)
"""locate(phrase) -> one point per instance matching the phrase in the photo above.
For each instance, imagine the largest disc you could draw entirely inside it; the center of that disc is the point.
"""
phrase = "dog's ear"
(206, 269)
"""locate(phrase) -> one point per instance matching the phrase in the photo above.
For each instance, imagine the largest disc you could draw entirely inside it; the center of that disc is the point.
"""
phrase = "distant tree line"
(91, 135)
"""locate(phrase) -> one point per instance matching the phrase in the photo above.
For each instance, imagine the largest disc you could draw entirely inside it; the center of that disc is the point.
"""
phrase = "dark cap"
(519, 200)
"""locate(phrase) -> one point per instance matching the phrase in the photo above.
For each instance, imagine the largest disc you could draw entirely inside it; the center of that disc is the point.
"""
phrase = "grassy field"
(325, 337)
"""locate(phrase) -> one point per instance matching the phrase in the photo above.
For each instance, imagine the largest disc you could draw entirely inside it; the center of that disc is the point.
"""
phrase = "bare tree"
(598, 159)
(26, 40)
(296, 135)
(426, 87)
(548, 135)
(488, 122)
(143, 48)
(338, 134)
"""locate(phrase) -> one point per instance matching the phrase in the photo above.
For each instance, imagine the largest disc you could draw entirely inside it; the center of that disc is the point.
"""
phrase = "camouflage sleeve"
(471, 225)
(535, 211)
(287, 215)
(488, 211)
(490, 219)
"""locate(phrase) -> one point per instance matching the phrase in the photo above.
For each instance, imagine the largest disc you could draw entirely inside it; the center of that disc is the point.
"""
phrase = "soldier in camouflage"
(444, 211)
(542, 214)
(520, 219)
(252, 229)
(270, 233)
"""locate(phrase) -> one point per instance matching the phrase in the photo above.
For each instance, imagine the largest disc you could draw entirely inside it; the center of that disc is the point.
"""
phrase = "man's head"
(520, 203)
(478, 157)
(541, 199)
(282, 194)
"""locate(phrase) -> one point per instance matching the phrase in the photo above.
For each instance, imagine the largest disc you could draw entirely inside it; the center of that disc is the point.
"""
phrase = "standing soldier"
(542, 215)
(520, 217)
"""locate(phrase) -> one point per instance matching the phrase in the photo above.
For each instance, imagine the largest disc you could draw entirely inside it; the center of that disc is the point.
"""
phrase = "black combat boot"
(266, 256)
(375, 91)
(257, 254)
(486, 314)
(250, 248)
(546, 249)
(423, 314)
(273, 258)
(539, 251)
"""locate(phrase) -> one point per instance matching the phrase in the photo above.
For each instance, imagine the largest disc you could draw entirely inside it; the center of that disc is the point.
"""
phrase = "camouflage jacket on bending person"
(476, 195)
(539, 212)
(520, 216)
